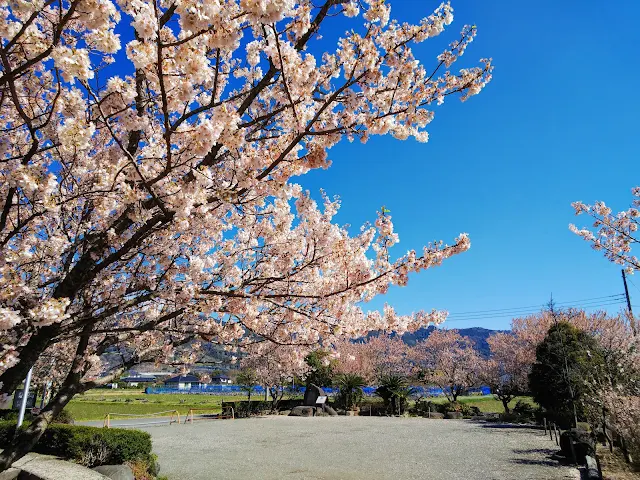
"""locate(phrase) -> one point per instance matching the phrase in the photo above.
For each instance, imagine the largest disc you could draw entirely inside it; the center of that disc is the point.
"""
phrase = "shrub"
(375, 409)
(459, 407)
(421, 407)
(145, 469)
(12, 415)
(64, 416)
(510, 417)
(248, 408)
(524, 409)
(90, 446)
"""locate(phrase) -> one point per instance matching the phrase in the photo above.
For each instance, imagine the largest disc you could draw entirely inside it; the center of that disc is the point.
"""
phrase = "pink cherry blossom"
(154, 204)
(612, 234)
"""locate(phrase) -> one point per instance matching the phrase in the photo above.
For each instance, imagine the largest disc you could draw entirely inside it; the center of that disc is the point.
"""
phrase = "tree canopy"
(567, 360)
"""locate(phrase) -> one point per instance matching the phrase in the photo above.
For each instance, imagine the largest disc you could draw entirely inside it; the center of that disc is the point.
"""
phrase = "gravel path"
(354, 448)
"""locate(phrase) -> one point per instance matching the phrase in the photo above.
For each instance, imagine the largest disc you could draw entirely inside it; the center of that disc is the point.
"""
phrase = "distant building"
(135, 380)
(184, 382)
(221, 379)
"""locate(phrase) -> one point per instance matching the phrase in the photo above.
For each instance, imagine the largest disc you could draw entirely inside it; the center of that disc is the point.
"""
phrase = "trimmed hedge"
(244, 408)
(7, 414)
(90, 446)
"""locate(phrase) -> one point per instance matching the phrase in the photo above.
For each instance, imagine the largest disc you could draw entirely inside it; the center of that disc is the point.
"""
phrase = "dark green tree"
(247, 380)
(321, 369)
(567, 361)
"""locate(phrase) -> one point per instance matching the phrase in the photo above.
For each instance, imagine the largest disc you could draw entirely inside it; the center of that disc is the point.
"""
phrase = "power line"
(517, 315)
(596, 302)
(631, 281)
(538, 306)
(613, 301)
(530, 311)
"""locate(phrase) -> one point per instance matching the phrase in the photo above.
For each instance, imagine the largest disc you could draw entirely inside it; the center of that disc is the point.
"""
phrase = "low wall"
(256, 406)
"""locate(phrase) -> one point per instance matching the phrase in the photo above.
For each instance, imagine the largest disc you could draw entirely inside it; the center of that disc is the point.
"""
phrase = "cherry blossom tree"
(354, 358)
(145, 189)
(376, 357)
(275, 367)
(506, 370)
(613, 399)
(614, 234)
(449, 361)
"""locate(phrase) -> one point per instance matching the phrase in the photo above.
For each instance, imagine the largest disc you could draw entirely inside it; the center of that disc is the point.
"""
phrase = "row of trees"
(578, 366)
(445, 359)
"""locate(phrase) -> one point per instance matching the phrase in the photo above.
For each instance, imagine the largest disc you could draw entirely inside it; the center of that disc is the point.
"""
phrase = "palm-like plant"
(350, 390)
(395, 392)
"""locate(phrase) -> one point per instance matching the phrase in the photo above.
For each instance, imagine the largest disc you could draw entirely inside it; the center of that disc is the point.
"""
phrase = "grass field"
(95, 404)
(486, 403)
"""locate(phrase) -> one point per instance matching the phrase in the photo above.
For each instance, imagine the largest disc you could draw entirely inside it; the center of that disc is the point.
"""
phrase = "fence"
(192, 415)
(174, 417)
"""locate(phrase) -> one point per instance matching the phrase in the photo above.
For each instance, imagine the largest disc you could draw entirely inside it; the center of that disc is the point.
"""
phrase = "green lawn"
(486, 403)
(95, 404)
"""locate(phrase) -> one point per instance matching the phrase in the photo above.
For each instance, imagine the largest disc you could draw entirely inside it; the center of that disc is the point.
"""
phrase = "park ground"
(95, 404)
(354, 448)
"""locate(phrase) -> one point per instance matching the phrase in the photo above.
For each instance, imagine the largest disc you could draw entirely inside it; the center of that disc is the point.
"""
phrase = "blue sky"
(558, 123)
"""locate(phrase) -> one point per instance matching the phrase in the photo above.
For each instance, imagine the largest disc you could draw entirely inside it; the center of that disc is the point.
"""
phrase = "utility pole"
(632, 320)
(626, 291)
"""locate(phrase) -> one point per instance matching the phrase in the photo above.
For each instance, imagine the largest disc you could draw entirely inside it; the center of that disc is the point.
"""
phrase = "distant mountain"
(215, 357)
(477, 335)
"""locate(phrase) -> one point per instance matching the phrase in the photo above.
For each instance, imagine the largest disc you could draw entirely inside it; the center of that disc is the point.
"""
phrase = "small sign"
(17, 399)
(321, 399)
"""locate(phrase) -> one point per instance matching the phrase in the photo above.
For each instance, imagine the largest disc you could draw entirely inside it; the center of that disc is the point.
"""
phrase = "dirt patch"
(614, 466)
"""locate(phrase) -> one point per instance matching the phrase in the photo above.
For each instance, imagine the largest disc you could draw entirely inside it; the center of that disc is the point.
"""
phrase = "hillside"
(478, 335)
(215, 358)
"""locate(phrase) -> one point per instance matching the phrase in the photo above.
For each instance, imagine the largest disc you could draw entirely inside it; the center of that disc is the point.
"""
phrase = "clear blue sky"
(558, 123)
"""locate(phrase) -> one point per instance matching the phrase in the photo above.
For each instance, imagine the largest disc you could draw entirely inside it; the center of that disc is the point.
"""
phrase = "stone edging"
(46, 467)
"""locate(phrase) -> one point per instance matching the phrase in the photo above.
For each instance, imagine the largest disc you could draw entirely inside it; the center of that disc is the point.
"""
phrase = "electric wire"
(537, 306)
(513, 312)
(590, 305)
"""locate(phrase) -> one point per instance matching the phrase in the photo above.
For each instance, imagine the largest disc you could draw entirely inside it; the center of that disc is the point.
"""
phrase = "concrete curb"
(46, 467)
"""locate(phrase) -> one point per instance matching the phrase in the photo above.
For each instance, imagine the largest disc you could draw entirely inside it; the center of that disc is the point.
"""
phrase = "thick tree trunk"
(13, 376)
(505, 404)
(26, 439)
(454, 393)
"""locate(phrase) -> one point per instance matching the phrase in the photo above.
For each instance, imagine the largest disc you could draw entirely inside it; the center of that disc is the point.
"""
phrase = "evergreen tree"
(566, 362)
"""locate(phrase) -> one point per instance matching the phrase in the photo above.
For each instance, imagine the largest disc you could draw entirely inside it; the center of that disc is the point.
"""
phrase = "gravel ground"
(354, 448)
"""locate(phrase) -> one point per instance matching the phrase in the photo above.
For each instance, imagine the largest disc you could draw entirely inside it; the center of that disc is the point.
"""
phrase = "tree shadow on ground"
(540, 456)
(510, 426)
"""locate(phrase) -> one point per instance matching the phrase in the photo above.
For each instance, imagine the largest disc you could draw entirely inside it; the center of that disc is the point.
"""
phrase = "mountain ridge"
(478, 335)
